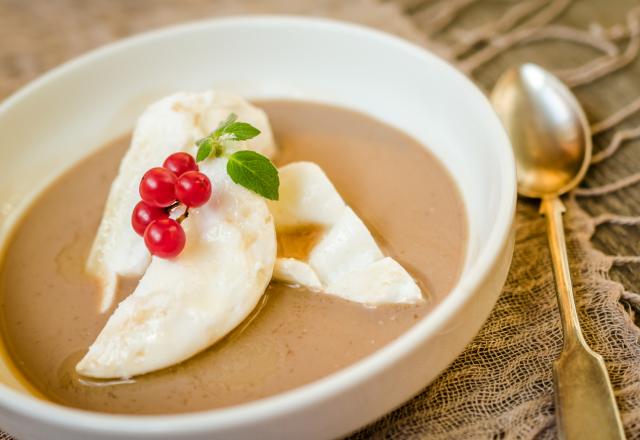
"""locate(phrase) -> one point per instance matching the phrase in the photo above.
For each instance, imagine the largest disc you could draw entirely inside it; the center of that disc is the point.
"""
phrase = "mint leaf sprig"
(246, 168)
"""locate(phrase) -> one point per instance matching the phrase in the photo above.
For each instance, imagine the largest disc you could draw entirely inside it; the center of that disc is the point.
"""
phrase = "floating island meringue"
(345, 261)
(186, 303)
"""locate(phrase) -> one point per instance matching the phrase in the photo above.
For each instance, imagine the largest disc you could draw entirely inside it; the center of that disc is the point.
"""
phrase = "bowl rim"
(306, 395)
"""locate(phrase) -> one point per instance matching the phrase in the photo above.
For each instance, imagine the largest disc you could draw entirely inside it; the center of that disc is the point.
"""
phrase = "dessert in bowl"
(309, 303)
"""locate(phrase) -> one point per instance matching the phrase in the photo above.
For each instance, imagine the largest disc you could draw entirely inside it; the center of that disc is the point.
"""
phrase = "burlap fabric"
(501, 386)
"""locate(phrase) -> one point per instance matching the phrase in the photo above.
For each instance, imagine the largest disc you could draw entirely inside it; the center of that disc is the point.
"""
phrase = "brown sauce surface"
(49, 306)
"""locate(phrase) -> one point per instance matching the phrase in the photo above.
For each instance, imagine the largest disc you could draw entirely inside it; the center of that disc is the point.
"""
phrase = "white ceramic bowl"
(76, 108)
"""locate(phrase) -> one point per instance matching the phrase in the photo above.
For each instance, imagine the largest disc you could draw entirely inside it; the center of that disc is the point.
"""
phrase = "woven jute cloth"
(501, 386)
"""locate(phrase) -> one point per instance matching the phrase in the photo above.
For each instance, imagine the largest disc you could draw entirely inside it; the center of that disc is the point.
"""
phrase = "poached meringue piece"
(183, 305)
(346, 261)
(172, 124)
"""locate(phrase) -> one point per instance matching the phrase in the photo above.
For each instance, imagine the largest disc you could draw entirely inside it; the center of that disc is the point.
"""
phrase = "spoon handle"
(585, 404)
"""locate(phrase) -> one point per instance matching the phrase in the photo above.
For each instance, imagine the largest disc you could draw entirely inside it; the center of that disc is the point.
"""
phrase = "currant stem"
(183, 216)
(172, 206)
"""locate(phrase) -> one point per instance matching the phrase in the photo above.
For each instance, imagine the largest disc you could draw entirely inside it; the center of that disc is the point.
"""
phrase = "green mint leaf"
(254, 172)
(224, 124)
(235, 131)
(240, 131)
(205, 147)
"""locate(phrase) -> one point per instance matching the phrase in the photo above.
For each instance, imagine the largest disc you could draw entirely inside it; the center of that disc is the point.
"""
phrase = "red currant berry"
(164, 238)
(143, 214)
(157, 187)
(180, 163)
(193, 189)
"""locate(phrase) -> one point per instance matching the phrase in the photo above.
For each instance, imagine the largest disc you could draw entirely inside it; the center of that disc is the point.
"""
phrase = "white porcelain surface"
(76, 108)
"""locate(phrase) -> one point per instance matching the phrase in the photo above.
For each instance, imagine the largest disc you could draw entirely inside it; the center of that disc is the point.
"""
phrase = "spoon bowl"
(548, 130)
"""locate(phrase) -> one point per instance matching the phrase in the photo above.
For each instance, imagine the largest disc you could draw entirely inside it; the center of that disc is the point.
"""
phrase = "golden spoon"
(552, 144)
